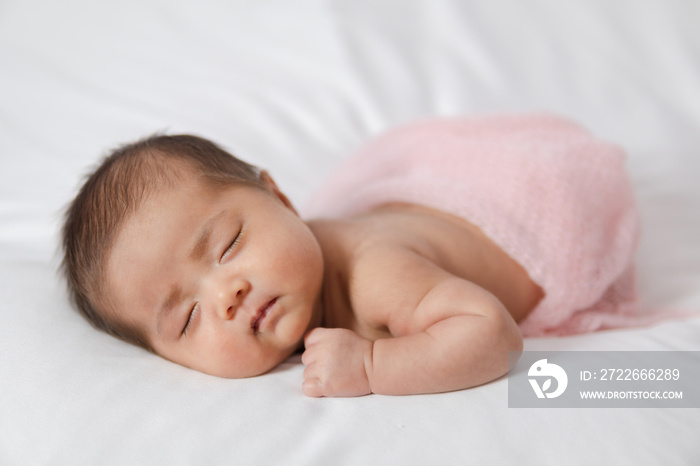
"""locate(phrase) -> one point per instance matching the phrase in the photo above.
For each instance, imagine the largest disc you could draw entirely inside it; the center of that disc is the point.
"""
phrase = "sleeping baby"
(416, 267)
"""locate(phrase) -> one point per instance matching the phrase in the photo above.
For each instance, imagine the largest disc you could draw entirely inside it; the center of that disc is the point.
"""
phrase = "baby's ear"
(270, 185)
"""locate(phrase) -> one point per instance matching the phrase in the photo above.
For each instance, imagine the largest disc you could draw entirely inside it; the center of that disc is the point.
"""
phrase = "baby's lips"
(261, 314)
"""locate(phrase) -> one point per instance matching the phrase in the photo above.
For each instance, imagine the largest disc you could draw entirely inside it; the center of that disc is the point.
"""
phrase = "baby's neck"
(336, 308)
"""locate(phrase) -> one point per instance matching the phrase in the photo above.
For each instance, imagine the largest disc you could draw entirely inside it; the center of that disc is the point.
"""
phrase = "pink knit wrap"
(554, 198)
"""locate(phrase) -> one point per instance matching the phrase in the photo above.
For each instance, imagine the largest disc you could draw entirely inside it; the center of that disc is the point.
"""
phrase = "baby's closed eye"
(190, 318)
(231, 246)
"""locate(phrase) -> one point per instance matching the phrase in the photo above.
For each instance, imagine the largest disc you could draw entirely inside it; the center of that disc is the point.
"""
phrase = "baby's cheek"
(289, 334)
(234, 360)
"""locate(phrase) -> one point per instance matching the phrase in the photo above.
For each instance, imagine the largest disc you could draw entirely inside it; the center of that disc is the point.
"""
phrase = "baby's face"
(224, 281)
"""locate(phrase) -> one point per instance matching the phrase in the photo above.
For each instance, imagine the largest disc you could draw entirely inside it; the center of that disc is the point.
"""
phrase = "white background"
(294, 87)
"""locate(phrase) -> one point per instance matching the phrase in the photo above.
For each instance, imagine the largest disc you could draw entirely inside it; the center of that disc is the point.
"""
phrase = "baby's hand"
(335, 361)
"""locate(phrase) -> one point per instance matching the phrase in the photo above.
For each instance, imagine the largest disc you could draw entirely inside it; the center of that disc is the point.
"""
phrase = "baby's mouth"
(260, 316)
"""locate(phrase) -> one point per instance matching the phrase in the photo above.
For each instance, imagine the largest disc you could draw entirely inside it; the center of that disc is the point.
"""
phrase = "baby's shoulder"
(375, 237)
(392, 236)
(363, 267)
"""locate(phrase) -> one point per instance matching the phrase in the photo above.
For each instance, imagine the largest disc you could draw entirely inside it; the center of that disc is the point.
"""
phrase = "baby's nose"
(229, 296)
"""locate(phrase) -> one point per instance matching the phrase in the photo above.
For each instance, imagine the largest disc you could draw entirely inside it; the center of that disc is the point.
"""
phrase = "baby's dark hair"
(115, 189)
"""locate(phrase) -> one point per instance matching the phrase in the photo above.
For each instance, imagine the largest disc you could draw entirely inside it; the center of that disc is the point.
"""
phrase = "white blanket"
(295, 87)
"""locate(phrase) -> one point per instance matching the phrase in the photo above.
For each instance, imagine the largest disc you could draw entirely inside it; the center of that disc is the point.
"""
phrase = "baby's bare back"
(449, 242)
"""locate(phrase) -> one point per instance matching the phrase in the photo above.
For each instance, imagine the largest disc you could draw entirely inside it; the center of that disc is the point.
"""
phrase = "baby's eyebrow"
(202, 244)
(174, 297)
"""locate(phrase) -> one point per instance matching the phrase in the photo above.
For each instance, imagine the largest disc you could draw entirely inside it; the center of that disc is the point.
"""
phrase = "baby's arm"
(449, 334)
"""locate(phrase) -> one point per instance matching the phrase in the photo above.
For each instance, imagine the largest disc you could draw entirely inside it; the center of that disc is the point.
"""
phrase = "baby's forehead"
(153, 227)
(169, 209)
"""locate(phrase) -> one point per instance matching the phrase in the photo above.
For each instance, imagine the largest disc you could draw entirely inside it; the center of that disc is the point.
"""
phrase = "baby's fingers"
(307, 357)
(312, 383)
(312, 387)
(314, 336)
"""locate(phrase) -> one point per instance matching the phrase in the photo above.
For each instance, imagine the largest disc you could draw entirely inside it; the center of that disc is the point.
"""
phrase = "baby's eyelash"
(233, 244)
(189, 319)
